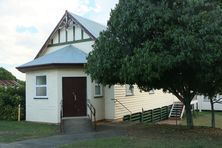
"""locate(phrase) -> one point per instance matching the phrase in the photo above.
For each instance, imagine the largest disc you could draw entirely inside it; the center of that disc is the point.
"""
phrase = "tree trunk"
(212, 113)
(188, 114)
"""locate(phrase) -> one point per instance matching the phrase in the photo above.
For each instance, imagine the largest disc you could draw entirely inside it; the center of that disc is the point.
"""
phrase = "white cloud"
(18, 48)
(103, 9)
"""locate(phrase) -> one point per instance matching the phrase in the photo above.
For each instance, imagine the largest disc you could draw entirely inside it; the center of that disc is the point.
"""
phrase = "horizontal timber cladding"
(139, 100)
(154, 115)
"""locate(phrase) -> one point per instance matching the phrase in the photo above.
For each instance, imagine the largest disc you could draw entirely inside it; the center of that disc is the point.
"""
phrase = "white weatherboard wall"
(109, 103)
(104, 105)
(139, 100)
(205, 104)
(98, 103)
(42, 110)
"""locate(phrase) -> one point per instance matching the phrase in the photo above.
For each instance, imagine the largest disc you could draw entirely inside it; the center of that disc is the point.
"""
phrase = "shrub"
(10, 98)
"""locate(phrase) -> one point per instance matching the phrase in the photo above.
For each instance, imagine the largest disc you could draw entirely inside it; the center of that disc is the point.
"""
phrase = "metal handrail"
(116, 100)
(92, 112)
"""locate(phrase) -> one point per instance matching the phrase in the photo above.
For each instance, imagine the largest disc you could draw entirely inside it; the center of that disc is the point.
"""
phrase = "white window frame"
(129, 90)
(38, 86)
(101, 90)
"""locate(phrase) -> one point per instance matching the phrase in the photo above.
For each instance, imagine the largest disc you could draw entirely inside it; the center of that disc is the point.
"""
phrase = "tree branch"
(176, 93)
(219, 101)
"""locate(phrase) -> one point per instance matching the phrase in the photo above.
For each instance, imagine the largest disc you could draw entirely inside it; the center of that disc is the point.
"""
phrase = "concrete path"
(103, 131)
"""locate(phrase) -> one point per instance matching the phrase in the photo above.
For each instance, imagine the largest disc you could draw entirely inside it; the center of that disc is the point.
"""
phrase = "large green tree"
(6, 75)
(212, 86)
(160, 44)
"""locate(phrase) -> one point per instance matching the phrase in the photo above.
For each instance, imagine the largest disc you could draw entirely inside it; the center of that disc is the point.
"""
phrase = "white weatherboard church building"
(56, 81)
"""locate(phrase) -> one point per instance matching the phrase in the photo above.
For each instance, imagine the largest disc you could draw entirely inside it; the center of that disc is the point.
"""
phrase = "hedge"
(10, 98)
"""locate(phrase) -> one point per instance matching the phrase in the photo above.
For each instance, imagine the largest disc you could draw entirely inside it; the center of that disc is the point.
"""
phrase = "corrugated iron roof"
(66, 55)
(93, 27)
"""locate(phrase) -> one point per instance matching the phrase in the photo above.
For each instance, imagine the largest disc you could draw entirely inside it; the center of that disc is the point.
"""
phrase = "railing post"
(95, 118)
(176, 116)
(160, 113)
(142, 116)
(92, 115)
(19, 112)
(167, 112)
(151, 115)
(91, 112)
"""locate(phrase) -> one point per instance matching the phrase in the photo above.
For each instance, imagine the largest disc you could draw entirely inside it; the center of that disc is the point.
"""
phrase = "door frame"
(63, 98)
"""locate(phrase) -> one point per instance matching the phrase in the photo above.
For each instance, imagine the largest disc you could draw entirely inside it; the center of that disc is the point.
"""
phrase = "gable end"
(68, 22)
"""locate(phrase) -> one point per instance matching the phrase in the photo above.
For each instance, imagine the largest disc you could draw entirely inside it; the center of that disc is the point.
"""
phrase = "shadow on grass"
(158, 136)
(14, 131)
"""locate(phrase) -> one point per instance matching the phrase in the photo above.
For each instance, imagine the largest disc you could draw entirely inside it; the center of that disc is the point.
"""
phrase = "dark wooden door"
(74, 96)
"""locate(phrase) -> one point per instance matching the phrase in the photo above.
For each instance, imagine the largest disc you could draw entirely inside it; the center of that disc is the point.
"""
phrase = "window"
(41, 88)
(129, 90)
(98, 90)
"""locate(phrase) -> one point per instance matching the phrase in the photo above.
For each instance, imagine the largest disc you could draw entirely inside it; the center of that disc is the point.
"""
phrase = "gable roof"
(92, 28)
(66, 55)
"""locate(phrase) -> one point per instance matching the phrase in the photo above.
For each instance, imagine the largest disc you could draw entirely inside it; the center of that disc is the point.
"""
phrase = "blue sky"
(26, 24)
(24, 29)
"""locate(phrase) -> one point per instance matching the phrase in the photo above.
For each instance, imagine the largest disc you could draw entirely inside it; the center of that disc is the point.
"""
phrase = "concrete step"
(174, 118)
(77, 125)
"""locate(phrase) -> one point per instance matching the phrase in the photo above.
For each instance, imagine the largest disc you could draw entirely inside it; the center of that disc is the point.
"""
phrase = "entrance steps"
(177, 110)
(77, 125)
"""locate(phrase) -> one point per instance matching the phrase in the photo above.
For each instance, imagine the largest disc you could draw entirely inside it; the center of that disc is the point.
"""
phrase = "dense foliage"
(11, 97)
(161, 44)
(6, 75)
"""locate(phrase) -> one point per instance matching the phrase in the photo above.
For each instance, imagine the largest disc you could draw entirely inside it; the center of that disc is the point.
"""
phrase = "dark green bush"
(10, 98)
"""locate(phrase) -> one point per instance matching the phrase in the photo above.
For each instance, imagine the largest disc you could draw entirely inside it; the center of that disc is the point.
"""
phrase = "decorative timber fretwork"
(68, 31)
(67, 22)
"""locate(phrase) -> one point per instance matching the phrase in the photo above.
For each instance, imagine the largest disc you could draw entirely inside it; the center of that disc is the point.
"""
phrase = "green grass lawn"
(15, 131)
(204, 119)
(158, 136)
(163, 136)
